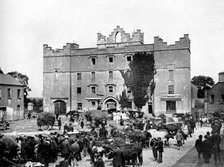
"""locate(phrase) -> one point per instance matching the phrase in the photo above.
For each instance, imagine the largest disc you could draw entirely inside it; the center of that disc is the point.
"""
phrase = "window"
(212, 99)
(18, 93)
(0, 93)
(93, 60)
(18, 110)
(222, 98)
(18, 107)
(9, 93)
(111, 89)
(128, 58)
(111, 59)
(110, 74)
(170, 75)
(129, 104)
(93, 103)
(93, 75)
(128, 90)
(118, 37)
(56, 72)
(79, 106)
(171, 106)
(93, 89)
(79, 90)
(79, 76)
(170, 89)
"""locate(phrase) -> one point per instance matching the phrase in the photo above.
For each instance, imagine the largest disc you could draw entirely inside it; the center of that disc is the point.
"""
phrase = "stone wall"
(62, 65)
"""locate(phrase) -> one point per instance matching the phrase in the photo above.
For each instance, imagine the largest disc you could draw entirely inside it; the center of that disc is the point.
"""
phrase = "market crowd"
(99, 143)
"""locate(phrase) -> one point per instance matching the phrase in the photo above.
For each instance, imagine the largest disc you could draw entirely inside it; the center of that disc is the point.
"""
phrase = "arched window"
(118, 37)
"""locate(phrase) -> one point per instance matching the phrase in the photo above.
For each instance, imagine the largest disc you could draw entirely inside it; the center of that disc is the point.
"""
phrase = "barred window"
(79, 76)
(212, 99)
(93, 60)
(111, 59)
(18, 93)
(111, 74)
(93, 88)
(170, 89)
(93, 75)
(129, 58)
(171, 105)
(79, 106)
(111, 89)
(9, 93)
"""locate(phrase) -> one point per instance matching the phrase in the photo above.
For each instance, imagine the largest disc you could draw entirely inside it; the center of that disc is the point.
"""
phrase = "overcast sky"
(25, 25)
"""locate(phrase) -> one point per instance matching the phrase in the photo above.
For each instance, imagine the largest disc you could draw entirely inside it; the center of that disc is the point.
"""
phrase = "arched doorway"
(59, 107)
(110, 103)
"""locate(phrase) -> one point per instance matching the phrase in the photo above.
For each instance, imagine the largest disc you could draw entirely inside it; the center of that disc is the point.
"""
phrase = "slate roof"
(9, 80)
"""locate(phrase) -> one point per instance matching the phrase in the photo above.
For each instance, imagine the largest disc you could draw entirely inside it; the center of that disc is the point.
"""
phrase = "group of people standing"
(157, 148)
(210, 145)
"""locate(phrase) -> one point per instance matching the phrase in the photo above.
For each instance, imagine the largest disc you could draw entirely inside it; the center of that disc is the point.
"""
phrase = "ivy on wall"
(139, 78)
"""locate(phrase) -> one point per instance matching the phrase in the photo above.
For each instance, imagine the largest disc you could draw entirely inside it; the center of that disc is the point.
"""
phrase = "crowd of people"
(211, 144)
(71, 148)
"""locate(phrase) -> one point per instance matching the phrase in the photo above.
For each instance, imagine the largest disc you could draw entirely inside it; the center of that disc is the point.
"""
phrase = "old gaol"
(83, 78)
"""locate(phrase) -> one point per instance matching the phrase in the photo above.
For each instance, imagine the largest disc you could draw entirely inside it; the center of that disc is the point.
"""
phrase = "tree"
(123, 99)
(203, 83)
(140, 77)
(23, 79)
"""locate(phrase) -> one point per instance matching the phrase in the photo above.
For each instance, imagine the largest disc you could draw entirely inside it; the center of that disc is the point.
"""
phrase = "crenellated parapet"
(48, 51)
(118, 37)
(183, 43)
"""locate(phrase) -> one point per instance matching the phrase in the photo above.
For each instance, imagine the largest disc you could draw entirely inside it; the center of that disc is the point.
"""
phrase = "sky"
(25, 25)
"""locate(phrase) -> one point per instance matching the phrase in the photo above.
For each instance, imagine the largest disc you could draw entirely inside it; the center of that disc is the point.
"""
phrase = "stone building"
(215, 96)
(83, 78)
(11, 98)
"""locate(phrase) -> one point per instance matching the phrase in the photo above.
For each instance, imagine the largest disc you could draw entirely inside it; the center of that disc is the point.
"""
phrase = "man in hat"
(206, 149)
(159, 148)
(179, 139)
(65, 148)
(198, 145)
(153, 144)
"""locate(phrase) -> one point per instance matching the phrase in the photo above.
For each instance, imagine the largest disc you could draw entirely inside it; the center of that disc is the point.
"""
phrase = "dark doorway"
(60, 107)
(111, 104)
(150, 109)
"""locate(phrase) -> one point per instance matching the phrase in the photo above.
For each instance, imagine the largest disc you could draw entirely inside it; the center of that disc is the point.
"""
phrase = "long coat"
(206, 149)
(198, 145)
(159, 146)
(65, 147)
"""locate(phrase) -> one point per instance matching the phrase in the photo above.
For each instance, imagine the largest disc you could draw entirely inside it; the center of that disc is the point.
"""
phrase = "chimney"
(221, 77)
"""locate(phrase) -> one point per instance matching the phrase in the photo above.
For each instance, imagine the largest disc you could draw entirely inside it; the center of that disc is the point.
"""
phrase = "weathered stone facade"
(83, 78)
(11, 98)
(215, 96)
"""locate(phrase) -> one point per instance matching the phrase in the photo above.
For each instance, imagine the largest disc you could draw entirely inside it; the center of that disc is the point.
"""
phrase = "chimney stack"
(221, 77)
